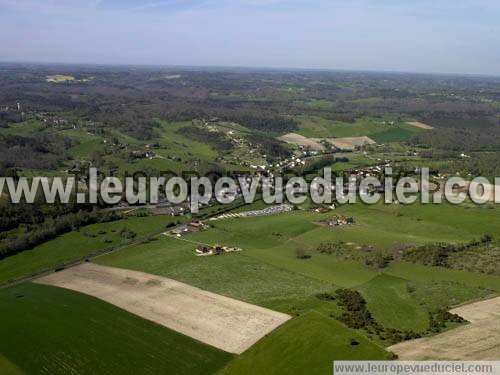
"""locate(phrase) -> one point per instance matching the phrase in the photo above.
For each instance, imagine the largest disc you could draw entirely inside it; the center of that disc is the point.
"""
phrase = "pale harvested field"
(300, 140)
(479, 340)
(348, 143)
(420, 125)
(223, 322)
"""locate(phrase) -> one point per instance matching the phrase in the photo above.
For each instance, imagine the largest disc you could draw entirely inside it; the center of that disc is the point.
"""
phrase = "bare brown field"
(300, 140)
(222, 322)
(348, 143)
(479, 340)
(420, 125)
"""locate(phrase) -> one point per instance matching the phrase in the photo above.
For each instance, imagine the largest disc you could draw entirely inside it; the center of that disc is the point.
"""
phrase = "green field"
(400, 133)
(77, 244)
(88, 145)
(318, 127)
(305, 345)
(419, 273)
(392, 305)
(174, 144)
(48, 330)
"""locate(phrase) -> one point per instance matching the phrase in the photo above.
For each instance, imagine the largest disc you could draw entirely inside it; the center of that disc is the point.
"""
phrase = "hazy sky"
(451, 36)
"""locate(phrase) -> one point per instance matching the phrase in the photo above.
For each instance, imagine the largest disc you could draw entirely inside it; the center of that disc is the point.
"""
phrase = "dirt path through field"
(479, 340)
(223, 322)
(420, 125)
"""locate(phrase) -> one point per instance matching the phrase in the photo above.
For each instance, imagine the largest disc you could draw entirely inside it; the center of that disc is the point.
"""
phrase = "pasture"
(392, 305)
(234, 275)
(305, 345)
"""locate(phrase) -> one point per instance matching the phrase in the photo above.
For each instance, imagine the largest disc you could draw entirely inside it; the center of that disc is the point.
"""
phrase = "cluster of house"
(324, 208)
(194, 226)
(54, 121)
(389, 123)
(338, 221)
(202, 250)
(297, 159)
(48, 119)
(142, 154)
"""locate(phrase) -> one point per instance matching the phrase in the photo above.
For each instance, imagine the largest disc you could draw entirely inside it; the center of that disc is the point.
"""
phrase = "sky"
(440, 36)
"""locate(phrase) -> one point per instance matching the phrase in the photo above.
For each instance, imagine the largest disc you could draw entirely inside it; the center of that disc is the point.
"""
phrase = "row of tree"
(33, 235)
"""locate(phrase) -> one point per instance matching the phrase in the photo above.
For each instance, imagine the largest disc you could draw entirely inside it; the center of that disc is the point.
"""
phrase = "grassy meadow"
(77, 244)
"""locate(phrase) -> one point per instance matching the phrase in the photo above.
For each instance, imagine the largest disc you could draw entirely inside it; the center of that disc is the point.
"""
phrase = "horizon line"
(250, 68)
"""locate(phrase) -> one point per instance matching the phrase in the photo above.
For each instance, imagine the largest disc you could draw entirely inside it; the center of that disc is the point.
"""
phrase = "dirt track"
(223, 322)
(479, 340)
(420, 125)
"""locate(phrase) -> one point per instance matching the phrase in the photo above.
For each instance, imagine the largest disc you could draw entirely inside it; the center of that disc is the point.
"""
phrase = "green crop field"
(305, 345)
(48, 330)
